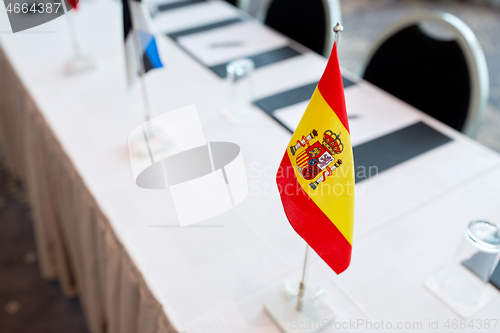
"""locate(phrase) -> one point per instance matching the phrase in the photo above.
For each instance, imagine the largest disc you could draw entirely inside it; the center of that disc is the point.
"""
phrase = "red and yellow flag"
(316, 175)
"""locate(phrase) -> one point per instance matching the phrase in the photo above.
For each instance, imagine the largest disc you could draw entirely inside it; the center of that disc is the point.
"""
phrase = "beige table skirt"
(75, 242)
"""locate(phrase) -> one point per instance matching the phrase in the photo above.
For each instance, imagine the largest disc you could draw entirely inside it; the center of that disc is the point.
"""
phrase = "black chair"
(447, 79)
(309, 22)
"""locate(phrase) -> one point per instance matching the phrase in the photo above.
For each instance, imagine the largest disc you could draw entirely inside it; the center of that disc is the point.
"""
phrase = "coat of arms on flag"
(316, 175)
(316, 158)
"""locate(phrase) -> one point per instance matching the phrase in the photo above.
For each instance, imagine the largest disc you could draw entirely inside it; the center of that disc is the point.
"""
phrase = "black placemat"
(290, 97)
(174, 5)
(479, 263)
(261, 59)
(379, 154)
(177, 34)
(286, 98)
(395, 148)
(495, 278)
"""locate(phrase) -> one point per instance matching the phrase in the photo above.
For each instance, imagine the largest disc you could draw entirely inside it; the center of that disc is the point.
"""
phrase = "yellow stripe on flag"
(334, 196)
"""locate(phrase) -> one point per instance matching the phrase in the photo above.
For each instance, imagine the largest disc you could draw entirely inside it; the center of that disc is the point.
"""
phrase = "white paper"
(241, 40)
(290, 116)
(372, 114)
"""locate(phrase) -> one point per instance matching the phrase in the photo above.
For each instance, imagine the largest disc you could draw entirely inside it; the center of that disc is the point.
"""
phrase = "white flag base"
(462, 309)
(79, 64)
(315, 316)
(158, 141)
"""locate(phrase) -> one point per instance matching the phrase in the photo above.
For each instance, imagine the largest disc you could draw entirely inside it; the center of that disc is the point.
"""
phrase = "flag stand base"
(315, 316)
(79, 64)
(464, 310)
(158, 141)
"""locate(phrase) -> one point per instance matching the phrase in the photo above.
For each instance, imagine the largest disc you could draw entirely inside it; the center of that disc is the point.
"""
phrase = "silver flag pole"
(337, 30)
(74, 36)
(80, 62)
(302, 287)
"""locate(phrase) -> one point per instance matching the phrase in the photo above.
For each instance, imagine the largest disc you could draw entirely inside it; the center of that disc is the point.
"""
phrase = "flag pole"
(80, 62)
(142, 70)
(337, 30)
(72, 31)
(302, 287)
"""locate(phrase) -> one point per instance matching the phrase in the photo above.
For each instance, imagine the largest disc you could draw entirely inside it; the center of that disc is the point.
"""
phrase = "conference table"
(121, 248)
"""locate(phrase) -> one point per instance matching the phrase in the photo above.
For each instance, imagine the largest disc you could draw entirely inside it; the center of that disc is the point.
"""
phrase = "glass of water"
(240, 90)
(464, 281)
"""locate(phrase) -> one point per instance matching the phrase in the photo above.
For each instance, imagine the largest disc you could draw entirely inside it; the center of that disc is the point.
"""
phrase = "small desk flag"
(316, 175)
(137, 29)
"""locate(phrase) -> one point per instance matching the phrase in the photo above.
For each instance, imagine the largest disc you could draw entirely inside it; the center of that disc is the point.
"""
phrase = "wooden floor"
(28, 303)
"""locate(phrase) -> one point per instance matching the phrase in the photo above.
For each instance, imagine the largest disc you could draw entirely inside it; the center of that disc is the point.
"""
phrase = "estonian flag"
(137, 29)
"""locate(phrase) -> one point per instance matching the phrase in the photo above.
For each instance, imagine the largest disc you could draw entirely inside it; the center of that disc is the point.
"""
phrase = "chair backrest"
(244, 5)
(248, 6)
(309, 22)
(447, 79)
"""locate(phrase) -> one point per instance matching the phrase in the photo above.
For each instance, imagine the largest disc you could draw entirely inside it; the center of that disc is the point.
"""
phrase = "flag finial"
(337, 30)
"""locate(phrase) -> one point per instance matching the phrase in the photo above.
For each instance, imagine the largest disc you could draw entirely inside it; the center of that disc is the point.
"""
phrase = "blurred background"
(29, 304)
(366, 20)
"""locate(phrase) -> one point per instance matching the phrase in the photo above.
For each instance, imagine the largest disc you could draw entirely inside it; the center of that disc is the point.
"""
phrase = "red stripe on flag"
(331, 88)
(73, 3)
(310, 222)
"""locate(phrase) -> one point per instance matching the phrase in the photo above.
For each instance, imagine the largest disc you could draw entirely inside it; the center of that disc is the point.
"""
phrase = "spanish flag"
(316, 175)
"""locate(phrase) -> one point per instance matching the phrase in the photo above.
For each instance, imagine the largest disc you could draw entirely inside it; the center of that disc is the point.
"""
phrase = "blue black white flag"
(140, 43)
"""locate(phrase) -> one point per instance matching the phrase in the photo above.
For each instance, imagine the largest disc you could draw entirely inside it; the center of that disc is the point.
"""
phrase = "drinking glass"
(464, 281)
(240, 91)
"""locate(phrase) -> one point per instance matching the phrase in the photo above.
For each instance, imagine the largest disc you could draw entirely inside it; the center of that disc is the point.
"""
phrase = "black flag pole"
(302, 286)
(155, 135)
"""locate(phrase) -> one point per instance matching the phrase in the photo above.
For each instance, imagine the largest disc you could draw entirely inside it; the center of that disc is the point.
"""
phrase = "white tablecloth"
(120, 247)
